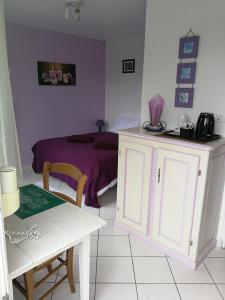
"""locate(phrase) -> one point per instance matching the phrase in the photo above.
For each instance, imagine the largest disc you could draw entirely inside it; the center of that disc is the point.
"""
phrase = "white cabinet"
(133, 184)
(173, 208)
(170, 191)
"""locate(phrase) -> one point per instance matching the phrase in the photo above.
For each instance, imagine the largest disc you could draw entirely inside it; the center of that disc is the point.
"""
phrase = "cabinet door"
(174, 201)
(134, 174)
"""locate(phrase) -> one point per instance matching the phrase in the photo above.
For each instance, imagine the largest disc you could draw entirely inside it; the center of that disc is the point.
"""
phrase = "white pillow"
(124, 122)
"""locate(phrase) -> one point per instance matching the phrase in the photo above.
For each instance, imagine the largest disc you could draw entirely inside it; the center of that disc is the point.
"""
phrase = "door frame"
(5, 283)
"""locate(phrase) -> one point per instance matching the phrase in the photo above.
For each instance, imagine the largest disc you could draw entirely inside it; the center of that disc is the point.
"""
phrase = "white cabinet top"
(159, 137)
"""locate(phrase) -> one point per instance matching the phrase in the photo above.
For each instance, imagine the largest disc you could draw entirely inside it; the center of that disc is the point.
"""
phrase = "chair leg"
(49, 267)
(29, 285)
(69, 266)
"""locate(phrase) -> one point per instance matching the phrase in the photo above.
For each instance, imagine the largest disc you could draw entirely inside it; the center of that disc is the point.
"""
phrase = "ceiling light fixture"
(73, 5)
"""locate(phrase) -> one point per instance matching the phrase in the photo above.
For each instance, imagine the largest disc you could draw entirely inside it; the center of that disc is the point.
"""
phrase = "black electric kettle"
(205, 125)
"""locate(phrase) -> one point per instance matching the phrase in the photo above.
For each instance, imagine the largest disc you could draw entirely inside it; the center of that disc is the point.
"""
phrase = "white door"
(5, 284)
(173, 207)
(134, 173)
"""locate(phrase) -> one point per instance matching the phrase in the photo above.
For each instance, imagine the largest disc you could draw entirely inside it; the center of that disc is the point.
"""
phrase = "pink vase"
(155, 105)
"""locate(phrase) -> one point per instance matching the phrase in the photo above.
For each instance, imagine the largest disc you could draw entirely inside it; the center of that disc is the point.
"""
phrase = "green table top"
(34, 200)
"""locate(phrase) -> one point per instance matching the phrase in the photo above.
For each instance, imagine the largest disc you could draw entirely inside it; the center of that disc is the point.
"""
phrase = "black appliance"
(205, 126)
(203, 133)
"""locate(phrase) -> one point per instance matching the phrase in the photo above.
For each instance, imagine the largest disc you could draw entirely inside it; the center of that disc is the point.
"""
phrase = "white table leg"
(84, 264)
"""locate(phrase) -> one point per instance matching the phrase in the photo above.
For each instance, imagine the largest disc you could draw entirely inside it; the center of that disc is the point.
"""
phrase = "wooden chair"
(81, 179)
(70, 171)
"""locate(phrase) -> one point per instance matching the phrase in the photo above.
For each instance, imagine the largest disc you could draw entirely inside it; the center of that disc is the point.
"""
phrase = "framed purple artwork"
(184, 97)
(189, 47)
(186, 72)
(56, 74)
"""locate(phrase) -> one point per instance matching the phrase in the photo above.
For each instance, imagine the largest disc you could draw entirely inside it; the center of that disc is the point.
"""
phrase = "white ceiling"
(100, 19)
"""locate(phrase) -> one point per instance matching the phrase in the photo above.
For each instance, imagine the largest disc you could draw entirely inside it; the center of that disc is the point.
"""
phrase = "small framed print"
(184, 97)
(186, 73)
(128, 65)
(189, 47)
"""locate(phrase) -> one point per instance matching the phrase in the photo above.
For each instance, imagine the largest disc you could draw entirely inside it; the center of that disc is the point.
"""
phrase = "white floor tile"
(152, 270)
(51, 188)
(63, 292)
(109, 198)
(116, 291)
(66, 189)
(114, 246)
(183, 274)
(62, 271)
(115, 270)
(31, 179)
(157, 292)
(199, 292)
(54, 183)
(23, 182)
(37, 294)
(94, 243)
(108, 212)
(221, 287)
(111, 229)
(217, 252)
(27, 170)
(216, 267)
(140, 248)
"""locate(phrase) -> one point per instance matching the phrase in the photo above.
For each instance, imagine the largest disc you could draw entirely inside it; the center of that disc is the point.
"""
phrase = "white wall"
(166, 22)
(123, 91)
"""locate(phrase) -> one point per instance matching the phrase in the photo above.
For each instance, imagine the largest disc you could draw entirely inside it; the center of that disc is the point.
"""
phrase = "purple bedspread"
(99, 165)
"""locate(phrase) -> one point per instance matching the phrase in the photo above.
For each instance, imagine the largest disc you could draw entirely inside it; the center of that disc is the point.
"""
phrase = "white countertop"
(158, 137)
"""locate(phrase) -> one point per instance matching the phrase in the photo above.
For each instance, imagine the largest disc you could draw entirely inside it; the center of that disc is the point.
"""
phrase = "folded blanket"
(107, 145)
(81, 138)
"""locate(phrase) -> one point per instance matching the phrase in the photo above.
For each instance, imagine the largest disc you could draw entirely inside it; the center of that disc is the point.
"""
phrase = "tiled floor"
(124, 268)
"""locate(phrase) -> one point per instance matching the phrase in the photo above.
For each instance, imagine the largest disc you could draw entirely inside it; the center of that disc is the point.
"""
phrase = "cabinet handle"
(159, 175)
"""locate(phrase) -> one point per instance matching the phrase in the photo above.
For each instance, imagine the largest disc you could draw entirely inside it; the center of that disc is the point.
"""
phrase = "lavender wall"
(53, 111)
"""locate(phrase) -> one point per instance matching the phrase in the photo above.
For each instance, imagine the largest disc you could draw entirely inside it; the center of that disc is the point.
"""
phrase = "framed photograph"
(184, 97)
(186, 73)
(128, 65)
(56, 74)
(189, 47)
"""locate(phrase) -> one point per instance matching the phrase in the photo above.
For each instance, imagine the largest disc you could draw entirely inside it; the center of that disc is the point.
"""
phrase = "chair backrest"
(68, 170)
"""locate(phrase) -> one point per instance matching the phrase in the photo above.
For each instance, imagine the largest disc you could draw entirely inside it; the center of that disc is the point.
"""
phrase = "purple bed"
(100, 165)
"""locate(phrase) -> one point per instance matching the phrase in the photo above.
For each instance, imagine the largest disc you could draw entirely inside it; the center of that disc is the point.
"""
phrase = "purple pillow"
(107, 145)
(82, 138)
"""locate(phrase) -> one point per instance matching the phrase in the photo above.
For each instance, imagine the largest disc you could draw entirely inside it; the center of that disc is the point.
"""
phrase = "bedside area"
(170, 192)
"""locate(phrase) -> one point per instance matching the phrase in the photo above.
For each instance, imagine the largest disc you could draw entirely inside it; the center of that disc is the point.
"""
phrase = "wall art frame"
(128, 65)
(186, 72)
(189, 47)
(184, 97)
(56, 74)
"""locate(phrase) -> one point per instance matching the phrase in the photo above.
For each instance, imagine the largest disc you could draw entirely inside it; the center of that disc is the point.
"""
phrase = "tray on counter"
(175, 134)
